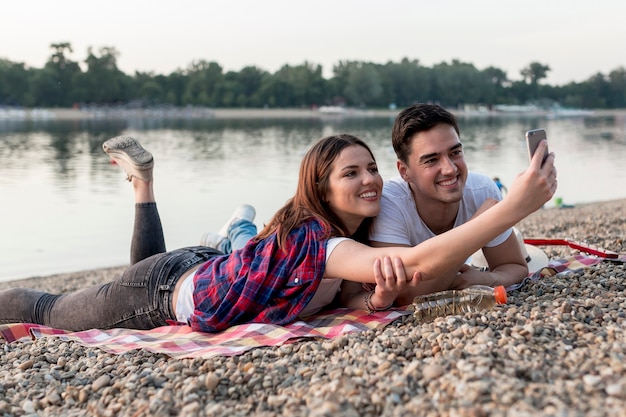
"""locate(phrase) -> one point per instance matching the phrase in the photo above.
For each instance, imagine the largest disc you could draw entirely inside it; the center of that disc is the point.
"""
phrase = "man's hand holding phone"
(537, 184)
(533, 138)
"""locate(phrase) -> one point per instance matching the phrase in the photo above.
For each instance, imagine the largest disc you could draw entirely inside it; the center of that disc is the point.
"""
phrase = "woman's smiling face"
(355, 186)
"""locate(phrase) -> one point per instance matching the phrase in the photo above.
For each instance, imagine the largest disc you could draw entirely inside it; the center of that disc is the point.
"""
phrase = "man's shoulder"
(395, 187)
(476, 179)
(481, 186)
(478, 189)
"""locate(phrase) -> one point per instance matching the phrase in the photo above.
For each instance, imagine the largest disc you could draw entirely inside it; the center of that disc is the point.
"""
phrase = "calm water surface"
(66, 208)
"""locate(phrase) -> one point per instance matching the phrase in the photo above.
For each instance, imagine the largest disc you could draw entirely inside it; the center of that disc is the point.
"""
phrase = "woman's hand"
(391, 280)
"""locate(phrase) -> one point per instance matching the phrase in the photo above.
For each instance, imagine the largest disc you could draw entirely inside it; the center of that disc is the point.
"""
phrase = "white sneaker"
(244, 211)
(128, 153)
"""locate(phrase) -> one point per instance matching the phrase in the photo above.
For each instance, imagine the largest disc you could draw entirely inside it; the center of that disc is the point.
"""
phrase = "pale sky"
(575, 38)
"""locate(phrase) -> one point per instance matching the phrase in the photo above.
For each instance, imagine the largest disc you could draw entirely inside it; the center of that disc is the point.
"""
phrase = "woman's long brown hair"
(310, 198)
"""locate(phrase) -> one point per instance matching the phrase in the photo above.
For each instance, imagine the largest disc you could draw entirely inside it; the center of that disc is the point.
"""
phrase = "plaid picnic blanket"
(181, 342)
(561, 266)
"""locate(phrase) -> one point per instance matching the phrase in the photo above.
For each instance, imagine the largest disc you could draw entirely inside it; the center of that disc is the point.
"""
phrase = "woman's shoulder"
(309, 223)
(312, 225)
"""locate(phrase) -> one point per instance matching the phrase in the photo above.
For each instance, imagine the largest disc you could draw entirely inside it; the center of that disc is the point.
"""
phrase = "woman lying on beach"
(292, 268)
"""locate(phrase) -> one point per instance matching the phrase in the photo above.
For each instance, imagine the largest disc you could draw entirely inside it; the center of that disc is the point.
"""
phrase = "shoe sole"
(131, 156)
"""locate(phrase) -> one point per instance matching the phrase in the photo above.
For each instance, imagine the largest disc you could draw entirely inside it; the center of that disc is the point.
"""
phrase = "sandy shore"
(558, 347)
(252, 113)
(191, 113)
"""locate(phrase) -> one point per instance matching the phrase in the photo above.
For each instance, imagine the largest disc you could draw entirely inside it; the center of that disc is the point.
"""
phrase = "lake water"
(65, 208)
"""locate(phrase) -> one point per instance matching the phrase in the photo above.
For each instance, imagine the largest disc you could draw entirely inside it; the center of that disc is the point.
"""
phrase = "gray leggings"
(141, 298)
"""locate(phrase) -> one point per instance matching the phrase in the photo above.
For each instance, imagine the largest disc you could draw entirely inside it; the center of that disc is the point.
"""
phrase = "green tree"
(103, 82)
(305, 84)
(363, 85)
(173, 87)
(54, 85)
(617, 87)
(275, 92)
(405, 83)
(458, 83)
(595, 91)
(496, 84)
(149, 91)
(248, 83)
(231, 91)
(203, 84)
(534, 73)
(497, 76)
(14, 84)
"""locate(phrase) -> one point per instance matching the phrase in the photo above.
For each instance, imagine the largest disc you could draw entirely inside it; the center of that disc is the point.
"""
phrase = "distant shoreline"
(183, 113)
(257, 113)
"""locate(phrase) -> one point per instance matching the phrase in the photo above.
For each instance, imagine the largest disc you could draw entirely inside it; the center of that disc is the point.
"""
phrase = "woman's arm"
(439, 255)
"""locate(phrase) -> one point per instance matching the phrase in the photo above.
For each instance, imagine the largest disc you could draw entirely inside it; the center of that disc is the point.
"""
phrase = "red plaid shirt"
(260, 283)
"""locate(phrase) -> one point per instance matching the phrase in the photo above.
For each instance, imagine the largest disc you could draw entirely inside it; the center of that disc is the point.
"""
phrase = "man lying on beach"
(435, 193)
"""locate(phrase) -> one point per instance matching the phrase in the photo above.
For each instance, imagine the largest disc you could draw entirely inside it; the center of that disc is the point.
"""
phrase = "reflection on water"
(65, 207)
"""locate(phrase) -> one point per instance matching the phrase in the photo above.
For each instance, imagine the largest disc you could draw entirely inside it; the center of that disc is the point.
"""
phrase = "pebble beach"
(556, 348)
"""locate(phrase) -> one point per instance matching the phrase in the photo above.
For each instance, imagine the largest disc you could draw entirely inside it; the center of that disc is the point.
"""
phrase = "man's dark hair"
(414, 119)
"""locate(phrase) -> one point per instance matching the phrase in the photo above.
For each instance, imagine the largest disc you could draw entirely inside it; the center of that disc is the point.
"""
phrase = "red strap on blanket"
(593, 250)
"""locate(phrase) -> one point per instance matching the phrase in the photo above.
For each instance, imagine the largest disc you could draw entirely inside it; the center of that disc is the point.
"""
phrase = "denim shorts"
(141, 298)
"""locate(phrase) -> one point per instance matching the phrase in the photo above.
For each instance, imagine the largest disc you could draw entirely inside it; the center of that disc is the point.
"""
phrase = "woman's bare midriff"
(180, 282)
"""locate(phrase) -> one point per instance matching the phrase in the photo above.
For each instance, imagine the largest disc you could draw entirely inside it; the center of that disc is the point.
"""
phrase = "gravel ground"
(557, 348)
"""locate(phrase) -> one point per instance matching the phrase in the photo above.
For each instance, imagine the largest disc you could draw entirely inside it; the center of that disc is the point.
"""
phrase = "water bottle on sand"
(444, 303)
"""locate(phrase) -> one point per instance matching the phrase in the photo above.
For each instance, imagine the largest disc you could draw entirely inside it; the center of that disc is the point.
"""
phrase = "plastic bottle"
(474, 298)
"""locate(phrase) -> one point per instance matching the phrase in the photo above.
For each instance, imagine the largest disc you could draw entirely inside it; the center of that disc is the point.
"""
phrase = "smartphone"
(533, 137)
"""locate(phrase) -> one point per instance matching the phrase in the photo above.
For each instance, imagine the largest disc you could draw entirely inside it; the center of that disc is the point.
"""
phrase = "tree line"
(63, 82)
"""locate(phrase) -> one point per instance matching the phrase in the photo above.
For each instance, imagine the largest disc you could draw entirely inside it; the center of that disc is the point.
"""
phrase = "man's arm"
(506, 261)
(507, 266)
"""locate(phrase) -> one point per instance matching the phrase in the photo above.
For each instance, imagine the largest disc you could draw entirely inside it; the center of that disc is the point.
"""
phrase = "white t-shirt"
(328, 287)
(398, 221)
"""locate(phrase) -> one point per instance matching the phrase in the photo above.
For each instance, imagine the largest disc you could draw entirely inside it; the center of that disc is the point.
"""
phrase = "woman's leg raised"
(112, 304)
(148, 238)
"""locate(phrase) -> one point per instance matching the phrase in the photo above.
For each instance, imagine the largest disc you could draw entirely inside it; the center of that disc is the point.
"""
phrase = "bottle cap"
(500, 293)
